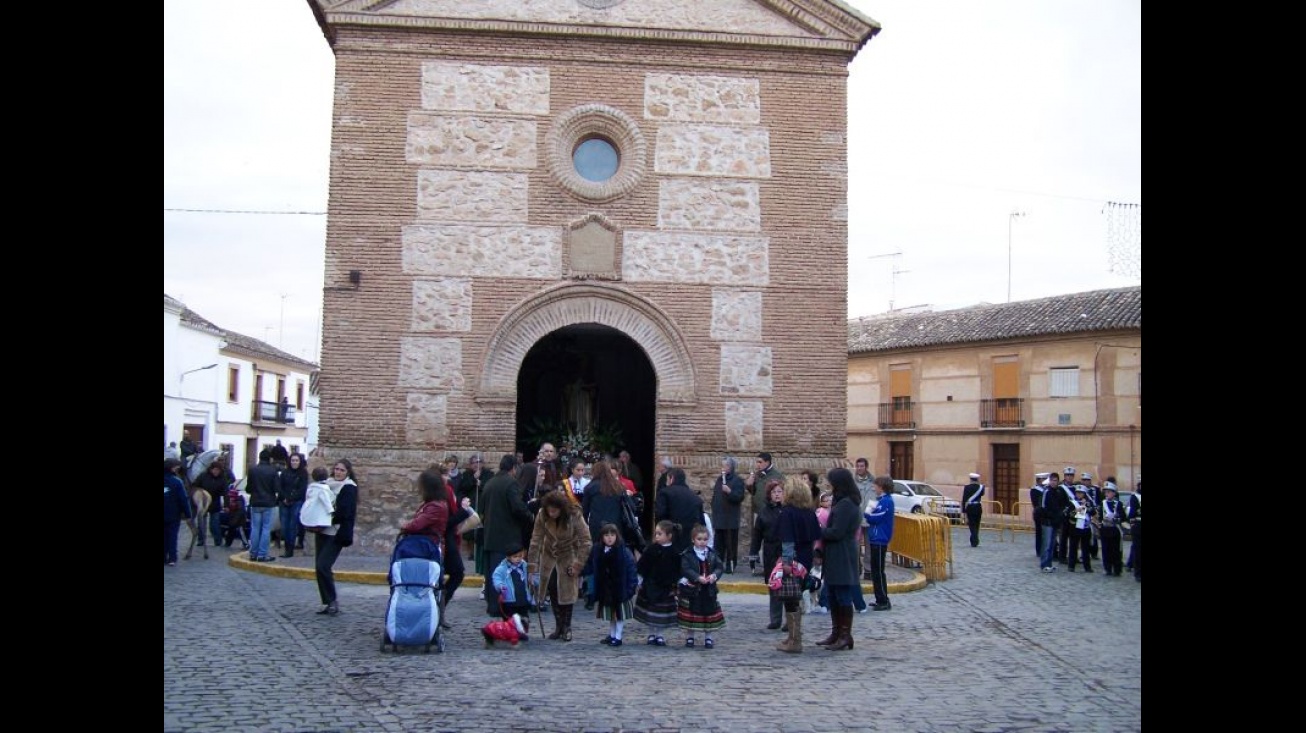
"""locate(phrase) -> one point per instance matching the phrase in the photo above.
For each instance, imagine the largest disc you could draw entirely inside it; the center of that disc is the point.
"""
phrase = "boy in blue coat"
(879, 532)
(513, 584)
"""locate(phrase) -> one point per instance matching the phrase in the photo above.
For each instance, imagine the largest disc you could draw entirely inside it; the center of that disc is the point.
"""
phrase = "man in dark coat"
(1053, 504)
(727, 497)
(216, 480)
(188, 447)
(972, 496)
(262, 487)
(631, 470)
(279, 455)
(1036, 504)
(470, 483)
(681, 505)
(763, 473)
(1135, 514)
(505, 518)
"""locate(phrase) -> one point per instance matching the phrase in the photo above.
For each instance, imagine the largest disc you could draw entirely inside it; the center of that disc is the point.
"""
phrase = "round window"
(595, 160)
(596, 153)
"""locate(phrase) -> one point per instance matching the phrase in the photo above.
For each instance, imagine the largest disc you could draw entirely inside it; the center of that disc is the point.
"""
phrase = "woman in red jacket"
(432, 517)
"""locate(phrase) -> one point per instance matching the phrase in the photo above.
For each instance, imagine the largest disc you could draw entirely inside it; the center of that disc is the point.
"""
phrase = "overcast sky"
(960, 113)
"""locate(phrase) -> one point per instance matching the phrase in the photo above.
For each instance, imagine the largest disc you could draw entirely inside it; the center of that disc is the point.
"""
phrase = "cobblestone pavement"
(998, 647)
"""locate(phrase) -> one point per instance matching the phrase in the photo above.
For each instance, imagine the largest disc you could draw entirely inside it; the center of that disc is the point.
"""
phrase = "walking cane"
(539, 615)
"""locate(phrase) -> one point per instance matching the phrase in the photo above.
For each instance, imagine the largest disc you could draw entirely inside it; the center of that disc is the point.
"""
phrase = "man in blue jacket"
(176, 507)
(879, 532)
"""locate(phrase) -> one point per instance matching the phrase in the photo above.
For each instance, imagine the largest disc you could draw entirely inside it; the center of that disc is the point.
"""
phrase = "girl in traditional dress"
(659, 572)
(697, 607)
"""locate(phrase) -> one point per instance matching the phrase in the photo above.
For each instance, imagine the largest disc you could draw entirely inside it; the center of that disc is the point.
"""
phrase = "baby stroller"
(412, 617)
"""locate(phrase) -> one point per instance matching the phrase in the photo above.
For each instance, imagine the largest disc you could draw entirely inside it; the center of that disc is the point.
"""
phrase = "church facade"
(614, 222)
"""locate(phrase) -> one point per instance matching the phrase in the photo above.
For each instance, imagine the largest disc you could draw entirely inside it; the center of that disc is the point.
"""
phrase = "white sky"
(960, 113)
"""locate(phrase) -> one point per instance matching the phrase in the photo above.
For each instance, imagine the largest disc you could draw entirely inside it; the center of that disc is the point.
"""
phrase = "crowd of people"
(1078, 522)
(544, 534)
(553, 535)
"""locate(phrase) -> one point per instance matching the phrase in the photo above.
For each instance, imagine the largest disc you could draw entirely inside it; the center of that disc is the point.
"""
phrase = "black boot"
(565, 612)
(557, 622)
(444, 604)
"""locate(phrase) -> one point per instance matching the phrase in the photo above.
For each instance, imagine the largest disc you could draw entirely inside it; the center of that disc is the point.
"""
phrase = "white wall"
(189, 398)
(201, 396)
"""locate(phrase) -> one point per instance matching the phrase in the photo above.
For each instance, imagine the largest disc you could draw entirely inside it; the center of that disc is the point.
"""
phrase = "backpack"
(319, 505)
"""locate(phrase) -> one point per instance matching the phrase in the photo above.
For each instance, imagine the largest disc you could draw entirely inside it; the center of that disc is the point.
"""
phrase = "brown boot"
(834, 628)
(845, 640)
(793, 644)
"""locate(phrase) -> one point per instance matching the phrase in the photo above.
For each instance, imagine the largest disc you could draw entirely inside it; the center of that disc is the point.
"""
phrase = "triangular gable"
(799, 23)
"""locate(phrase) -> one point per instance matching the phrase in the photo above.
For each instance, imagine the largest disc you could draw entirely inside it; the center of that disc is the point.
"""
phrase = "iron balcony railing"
(1007, 412)
(274, 412)
(899, 415)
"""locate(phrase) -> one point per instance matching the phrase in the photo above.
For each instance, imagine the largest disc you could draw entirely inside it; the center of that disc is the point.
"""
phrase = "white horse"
(199, 505)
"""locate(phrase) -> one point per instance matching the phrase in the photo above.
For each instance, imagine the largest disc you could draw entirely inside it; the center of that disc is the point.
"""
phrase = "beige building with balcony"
(1005, 390)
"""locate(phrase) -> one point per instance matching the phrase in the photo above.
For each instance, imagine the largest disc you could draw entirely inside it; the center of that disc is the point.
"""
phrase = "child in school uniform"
(659, 572)
(697, 606)
(612, 567)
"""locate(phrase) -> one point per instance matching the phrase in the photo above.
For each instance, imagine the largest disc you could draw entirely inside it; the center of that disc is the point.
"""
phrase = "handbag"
(632, 534)
(787, 586)
(469, 524)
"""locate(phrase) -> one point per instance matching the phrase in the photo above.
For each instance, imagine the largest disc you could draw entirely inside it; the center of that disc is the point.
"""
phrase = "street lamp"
(1010, 218)
(197, 369)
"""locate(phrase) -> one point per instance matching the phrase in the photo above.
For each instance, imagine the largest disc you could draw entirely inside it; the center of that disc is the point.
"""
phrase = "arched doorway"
(621, 323)
(593, 381)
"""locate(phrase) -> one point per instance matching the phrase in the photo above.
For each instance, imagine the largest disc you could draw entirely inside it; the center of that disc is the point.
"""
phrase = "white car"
(917, 497)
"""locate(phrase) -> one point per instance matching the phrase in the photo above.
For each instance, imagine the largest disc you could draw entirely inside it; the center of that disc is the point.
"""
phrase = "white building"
(231, 391)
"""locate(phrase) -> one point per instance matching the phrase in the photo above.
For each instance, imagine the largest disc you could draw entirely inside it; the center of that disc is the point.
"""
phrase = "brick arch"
(569, 304)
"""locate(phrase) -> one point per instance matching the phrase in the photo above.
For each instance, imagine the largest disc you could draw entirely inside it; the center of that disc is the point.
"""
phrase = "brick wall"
(761, 228)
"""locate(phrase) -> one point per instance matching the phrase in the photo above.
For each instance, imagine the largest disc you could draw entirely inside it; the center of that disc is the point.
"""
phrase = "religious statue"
(578, 405)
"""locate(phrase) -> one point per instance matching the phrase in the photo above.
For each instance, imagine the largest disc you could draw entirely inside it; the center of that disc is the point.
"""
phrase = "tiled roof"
(1097, 310)
(253, 347)
(238, 341)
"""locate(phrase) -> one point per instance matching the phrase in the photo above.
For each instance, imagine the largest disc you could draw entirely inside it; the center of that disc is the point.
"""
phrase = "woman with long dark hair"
(291, 487)
(431, 519)
(840, 543)
(455, 569)
(338, 536)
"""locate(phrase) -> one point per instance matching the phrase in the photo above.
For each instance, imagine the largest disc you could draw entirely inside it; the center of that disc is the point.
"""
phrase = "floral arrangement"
(572, 443)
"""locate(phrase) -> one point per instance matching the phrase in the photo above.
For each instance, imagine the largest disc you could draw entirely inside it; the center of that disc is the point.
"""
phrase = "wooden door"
(1006, 474)
(901, 465)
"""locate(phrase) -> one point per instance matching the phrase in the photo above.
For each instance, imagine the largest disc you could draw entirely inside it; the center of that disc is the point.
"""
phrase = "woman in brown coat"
(560, 544)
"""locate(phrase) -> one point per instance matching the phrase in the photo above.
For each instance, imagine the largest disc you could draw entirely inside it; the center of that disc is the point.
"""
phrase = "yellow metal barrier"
(1021, 518)
(924, 540)
(992, 517)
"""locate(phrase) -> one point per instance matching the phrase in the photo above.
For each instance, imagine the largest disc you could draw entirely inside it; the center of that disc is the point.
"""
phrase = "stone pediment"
(825, 24)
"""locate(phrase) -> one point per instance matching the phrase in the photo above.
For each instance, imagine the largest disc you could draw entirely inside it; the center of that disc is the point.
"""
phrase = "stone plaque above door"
(592, 249)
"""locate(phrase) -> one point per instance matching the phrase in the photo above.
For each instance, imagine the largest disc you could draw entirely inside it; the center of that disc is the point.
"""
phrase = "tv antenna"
(893, 273)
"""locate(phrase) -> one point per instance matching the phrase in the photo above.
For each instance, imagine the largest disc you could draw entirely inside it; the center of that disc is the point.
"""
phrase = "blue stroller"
(412, 617)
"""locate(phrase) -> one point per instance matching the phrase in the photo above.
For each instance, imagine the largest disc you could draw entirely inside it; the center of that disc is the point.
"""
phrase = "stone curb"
(241, 561)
